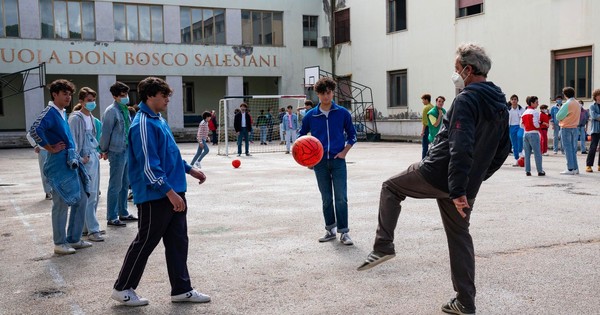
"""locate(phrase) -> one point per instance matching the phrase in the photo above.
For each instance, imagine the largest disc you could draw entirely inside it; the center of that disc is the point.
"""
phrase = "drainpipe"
(332, 35)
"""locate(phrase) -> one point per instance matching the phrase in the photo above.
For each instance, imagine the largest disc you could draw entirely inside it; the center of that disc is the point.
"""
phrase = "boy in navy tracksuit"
(64, 171)
(332, 125)
(157, 174)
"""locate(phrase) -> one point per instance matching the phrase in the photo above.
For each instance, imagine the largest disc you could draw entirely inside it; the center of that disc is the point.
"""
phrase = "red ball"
(307, 151)
(589, 138)
(236, 163)
(521, 161)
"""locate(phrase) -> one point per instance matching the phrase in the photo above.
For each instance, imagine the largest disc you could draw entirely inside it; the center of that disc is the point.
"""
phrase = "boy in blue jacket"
(157, 174)
(332, 125)
(69, 183)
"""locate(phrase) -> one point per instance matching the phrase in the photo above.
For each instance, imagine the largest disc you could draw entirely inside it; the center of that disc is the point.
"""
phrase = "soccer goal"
(264, 110)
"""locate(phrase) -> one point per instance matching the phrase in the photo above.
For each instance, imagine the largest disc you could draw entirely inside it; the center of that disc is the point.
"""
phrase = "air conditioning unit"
(325, 42)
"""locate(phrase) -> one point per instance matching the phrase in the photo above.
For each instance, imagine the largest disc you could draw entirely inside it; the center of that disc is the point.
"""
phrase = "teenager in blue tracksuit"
(332, 125)
(65, 173)
(158, 181)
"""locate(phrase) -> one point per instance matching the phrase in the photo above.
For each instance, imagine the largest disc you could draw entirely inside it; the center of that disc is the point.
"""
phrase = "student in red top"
(544, 125)
(530, 122)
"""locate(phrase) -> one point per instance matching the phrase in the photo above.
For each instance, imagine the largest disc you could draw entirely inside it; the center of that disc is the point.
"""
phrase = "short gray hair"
(473, 55)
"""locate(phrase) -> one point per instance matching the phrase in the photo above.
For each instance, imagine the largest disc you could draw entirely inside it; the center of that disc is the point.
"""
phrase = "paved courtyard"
(253, 243)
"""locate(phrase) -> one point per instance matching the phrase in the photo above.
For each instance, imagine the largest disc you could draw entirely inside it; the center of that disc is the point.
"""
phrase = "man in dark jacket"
(471, 145)
(242, 123)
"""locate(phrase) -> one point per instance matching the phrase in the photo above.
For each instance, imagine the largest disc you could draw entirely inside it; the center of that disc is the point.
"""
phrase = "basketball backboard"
(311, 75)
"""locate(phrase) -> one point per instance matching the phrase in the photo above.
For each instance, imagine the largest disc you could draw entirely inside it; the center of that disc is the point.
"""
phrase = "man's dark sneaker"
(374, 259)
(116, 222)
(542, 173)
(528, 173)
(454, 307)
(248, 154)
(130, 217)
(329, 236)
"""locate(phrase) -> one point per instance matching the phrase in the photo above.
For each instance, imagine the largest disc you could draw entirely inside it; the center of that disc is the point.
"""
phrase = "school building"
(398, 49)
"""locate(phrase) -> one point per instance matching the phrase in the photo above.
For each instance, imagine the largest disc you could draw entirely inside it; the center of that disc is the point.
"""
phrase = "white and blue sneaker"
(191, 297)
(129, 298)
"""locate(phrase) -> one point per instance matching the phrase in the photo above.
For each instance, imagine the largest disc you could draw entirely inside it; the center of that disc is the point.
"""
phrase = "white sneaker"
(81, 244)
(64, 249)
(516, 164)
(129, 298)
(191, 296)
(567, 172)
(345, 239)
(576, 171)
(96, 237)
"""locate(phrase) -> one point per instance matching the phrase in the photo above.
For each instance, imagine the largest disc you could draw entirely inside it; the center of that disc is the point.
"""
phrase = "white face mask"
(457, 79)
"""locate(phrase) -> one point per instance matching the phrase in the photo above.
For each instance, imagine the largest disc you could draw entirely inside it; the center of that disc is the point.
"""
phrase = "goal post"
(264, 110)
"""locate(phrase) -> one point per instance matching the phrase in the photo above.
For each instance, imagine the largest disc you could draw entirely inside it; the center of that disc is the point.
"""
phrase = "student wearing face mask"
(83, 130)
(113, 145)
(544, 125)
(555, 126)
(471, 145)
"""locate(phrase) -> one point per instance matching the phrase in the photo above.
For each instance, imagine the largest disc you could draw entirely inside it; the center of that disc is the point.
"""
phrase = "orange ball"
(521, 161)
(589, 138)
(236, 163)
(307, 151)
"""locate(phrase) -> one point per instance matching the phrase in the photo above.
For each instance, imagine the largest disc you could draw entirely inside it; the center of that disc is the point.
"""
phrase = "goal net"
(267, 135)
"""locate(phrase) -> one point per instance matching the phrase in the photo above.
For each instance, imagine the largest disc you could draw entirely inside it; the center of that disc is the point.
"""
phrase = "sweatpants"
(157, 220)
(411, 183)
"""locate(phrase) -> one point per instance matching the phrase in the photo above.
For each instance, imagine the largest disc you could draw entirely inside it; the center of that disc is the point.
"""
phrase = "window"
(396, 15)
(398, 88)
(342, 26)
(310, 30)
(67, 19)
(138, 23)
(469, 7)
(9, 18)
(188, 98)
(263, 28)
(573, 67)
(202, 25)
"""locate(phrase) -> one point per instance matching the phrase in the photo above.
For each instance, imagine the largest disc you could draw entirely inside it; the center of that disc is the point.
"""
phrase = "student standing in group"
(212, 126)
(594, 131)
(544, 125)
(242, 123)
(113, 145)
(427, 106)
(332, 125)
(158, 181)
(555, 125)
(281, 130)
(84, 131)
(290, 126)
(516, 132)
(568, 118)
(530, 122)
(63, 169)
(584, 117)
(434, 118)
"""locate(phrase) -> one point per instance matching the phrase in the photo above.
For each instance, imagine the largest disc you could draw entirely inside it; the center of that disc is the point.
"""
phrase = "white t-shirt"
(88, 122)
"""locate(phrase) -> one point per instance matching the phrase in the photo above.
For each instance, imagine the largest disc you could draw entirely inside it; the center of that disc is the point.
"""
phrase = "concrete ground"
(253, 243)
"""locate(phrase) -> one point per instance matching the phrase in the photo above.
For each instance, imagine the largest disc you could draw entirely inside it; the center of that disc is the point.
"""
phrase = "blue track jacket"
(155, 163)
(334, 131)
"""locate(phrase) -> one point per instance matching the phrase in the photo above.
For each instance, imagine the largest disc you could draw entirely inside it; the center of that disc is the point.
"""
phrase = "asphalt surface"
(253, 243)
